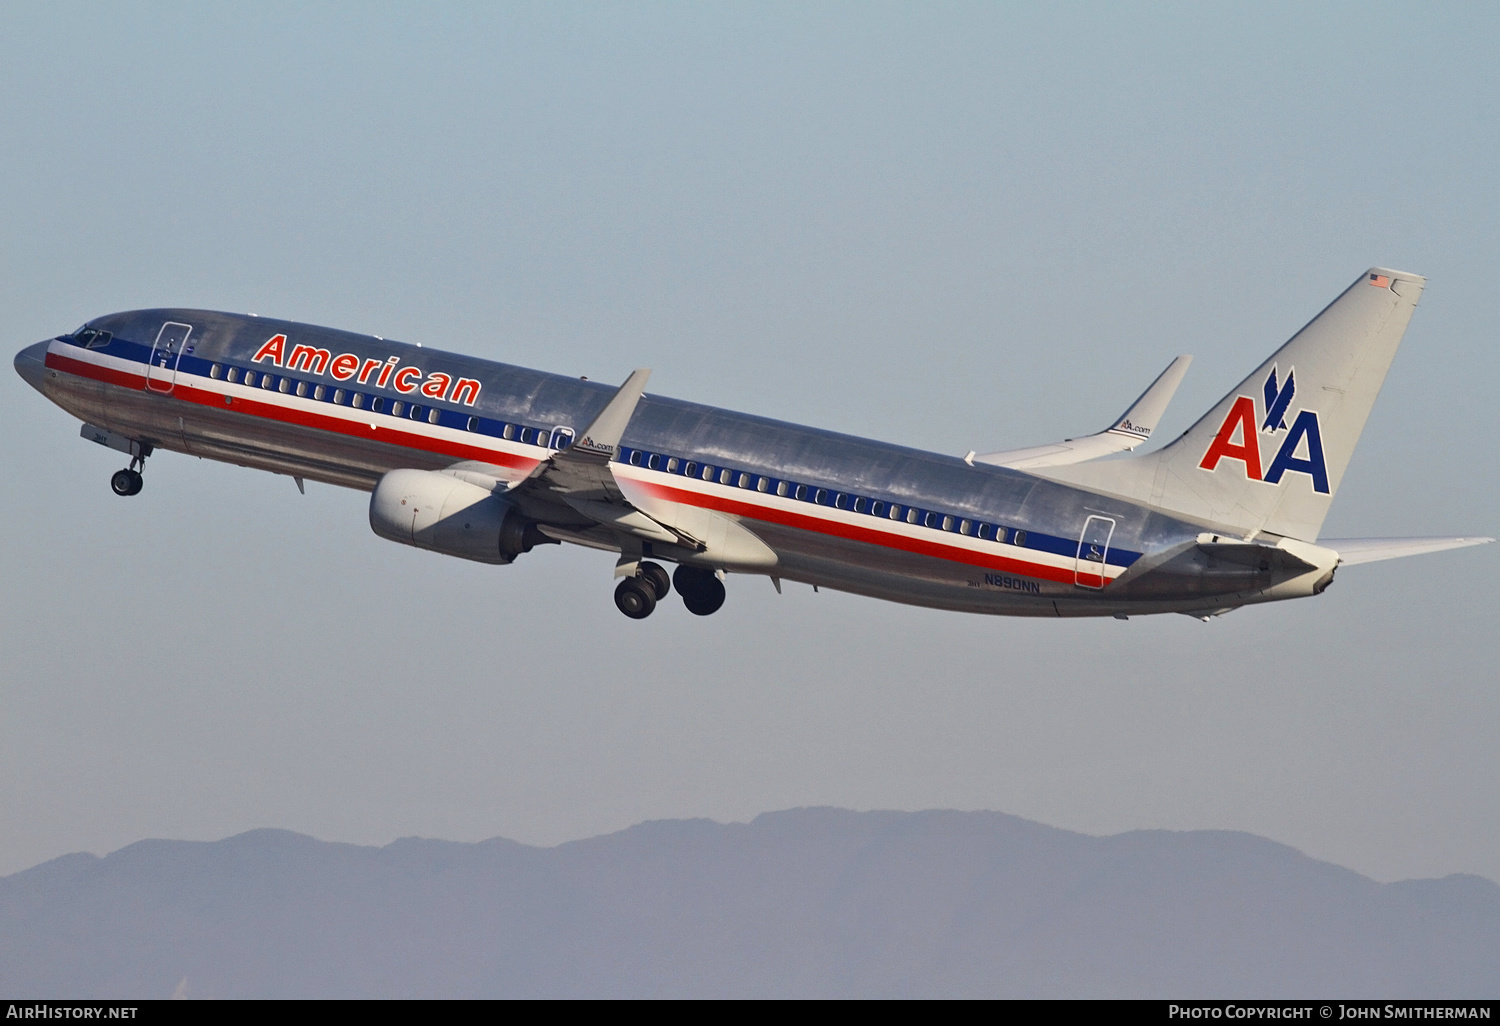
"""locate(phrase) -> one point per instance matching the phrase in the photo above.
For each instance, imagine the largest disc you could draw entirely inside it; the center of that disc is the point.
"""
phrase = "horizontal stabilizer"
(1134, 427)
(1372, 550)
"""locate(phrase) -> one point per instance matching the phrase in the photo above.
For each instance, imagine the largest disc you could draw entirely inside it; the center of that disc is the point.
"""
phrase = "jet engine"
(438, 512)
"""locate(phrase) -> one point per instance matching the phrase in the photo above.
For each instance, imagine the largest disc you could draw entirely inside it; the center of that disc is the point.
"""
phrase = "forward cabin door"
(1093, 550)
(161, 372)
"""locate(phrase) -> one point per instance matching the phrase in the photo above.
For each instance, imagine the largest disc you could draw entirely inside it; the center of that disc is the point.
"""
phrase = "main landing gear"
(637, 596)
(701, 590)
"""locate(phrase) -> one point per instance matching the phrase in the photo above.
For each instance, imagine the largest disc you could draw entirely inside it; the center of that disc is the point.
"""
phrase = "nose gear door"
(161, 372)
(1093, 548)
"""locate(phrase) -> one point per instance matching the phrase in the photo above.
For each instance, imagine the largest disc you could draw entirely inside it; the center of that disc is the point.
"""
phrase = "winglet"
(1142, 417)
(602, 437)
(1134, 427)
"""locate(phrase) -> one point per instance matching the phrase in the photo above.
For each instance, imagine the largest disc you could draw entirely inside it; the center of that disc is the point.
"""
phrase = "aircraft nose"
(31, 364)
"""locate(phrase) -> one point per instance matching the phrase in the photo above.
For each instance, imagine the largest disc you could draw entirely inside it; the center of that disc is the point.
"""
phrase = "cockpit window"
(92, 338)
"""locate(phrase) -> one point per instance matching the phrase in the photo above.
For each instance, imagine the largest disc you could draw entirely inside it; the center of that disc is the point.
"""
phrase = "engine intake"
(434, 511)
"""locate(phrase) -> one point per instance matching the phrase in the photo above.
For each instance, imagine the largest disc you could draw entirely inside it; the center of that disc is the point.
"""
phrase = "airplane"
(487, 461)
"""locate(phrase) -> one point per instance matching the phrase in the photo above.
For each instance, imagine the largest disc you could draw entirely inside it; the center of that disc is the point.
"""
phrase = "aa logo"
(1301, 451)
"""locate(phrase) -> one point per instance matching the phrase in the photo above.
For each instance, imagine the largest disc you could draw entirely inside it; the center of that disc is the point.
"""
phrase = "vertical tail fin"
(1269, 457)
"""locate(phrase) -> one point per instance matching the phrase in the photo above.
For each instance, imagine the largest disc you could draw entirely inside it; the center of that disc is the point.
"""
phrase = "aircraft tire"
(654, 575)
(635, 598)
(706, 598)
(688, 579)
(126, 482)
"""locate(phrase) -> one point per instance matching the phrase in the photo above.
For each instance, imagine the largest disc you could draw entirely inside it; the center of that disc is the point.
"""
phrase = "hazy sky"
(952, 226)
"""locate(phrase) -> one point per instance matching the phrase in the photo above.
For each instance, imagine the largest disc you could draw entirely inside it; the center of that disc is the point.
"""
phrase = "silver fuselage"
(838, 511)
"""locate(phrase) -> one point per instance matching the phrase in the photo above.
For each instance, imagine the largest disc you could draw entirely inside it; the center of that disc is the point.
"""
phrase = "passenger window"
(416, 413)
(635, 458)
(913, 515)
(320, 393)
(932, 520)
(999, 534)
(654, 463)
(377, 403)
(215, 371)
(672, 465)
(691, 470)
(782, 488)
(948, 523)
(302, 390)
(708, 473)
(986, 532)
(895, 513)
(338, 396)
(433, 415)
(472, 425)
(841, 501)
(726, 476)
(1020, 538)
(397, 406)
(509, 433)
(877, 508)
(234, 374)
(359, 400)
(286, 385)
(763, 485)
(966, 528)
(267, 380)
(800, 493)
(746, 480)
(859, 504)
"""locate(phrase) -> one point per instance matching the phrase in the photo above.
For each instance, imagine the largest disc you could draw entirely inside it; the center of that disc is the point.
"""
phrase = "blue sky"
(952, 226)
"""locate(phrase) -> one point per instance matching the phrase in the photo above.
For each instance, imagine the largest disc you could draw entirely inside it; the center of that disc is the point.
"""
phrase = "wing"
(574, 496)
(1134, 427)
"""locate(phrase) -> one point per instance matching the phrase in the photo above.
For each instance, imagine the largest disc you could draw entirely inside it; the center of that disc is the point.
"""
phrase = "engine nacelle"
(441, 513)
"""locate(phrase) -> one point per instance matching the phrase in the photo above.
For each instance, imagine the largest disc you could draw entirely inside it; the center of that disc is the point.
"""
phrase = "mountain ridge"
(812, 901)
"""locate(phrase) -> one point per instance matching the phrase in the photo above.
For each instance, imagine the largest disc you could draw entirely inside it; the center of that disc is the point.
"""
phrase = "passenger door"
(1093, 550)
(161, 372)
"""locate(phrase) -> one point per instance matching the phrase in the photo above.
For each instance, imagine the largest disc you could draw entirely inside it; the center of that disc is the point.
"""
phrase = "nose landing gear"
(126, 482)
(129, 482)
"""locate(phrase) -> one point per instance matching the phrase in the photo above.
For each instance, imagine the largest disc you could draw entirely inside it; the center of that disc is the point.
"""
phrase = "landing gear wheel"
(702, 592)
(653, 574)
(126, 482)
(635, 598)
